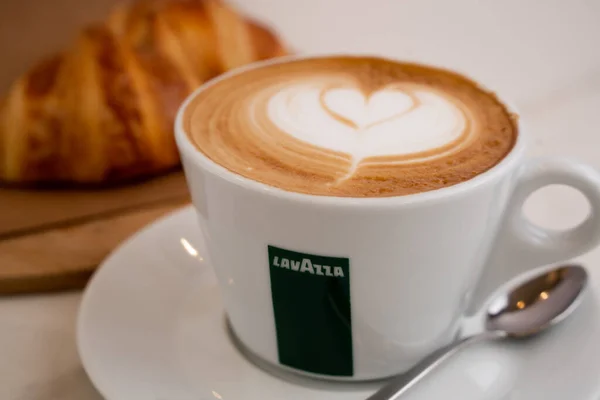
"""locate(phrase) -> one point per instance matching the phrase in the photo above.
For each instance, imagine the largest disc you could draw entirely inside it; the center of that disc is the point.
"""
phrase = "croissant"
(103, 110)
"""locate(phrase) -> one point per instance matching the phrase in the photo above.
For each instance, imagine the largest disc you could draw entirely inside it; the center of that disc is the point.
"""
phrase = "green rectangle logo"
(311, 302)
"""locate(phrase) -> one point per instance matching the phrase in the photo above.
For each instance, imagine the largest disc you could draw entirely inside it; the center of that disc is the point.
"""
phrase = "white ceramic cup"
(403, 273)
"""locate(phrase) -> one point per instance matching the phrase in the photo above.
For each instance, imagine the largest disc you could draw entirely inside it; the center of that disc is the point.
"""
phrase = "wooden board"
(54, 240)
(27, 211)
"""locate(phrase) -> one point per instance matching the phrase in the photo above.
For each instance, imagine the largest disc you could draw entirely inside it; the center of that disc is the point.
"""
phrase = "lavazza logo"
(305, 265)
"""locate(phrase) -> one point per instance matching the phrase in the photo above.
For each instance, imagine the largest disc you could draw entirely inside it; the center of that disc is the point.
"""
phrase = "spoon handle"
(400, 384)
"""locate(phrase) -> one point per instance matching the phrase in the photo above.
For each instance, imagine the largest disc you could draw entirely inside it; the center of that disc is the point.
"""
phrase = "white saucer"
(151, 327)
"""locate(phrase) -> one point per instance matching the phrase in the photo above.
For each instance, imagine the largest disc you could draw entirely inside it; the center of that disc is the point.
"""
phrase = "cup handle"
(521, 245)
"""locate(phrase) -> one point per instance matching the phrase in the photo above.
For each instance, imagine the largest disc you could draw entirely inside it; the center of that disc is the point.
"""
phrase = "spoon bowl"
(538, 303)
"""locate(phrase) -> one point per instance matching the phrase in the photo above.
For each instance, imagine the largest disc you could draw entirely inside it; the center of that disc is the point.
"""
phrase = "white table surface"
(541, 55)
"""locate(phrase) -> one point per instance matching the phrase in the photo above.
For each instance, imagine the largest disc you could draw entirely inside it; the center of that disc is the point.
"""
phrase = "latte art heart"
(350, 126)
(389, 122)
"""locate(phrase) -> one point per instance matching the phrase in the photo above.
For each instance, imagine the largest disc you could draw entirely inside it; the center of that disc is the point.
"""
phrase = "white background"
(542, 56)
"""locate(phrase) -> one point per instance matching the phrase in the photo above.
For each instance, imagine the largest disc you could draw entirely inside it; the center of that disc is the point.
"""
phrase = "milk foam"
(392, 121)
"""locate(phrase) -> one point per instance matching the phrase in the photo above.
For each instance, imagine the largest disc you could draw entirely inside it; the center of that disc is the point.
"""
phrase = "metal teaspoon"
(526, 310)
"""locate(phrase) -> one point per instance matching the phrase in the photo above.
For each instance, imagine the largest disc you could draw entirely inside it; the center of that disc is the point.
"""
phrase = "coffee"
(351, 126)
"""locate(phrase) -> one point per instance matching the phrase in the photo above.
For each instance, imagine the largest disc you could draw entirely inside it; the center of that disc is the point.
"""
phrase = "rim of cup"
(189, 151)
